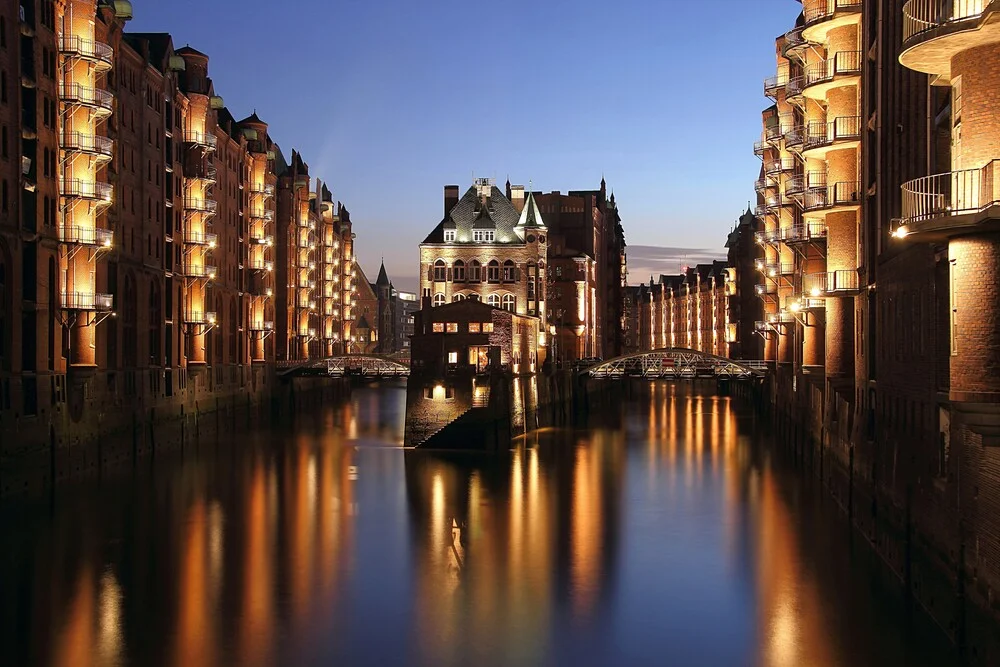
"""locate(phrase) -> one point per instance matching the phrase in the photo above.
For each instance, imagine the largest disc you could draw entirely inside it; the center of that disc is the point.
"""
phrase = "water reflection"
(662, 533)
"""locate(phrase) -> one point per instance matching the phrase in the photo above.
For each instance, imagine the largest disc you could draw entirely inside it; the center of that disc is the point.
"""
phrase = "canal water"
(666, 531)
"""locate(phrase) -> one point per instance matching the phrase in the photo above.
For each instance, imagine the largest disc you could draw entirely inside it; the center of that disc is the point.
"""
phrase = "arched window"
(439, 299)
(155, 322)
(458, 271)
(493, 300)
(440, 271)
(493, 271)
(509, 271)
(475, 272)
(474, 297)
(509, 302)
(458, 297)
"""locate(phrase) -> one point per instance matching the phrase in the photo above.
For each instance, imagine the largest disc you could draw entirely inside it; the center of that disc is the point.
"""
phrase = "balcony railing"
(794, 88)
(207, 173)
(780, 165)
(86, 236)
(74, 93)
(773, 84)
(846, 193)
(794, 136)
(759, 147)
(262, 190)
(923, 16)
(88, 49)
(203, 317)
(201, 205)
(830, 282)
(204, 139)
(200, 271)
(258, 264)
(76, 188)
(844, 128)
(766, 288)
(775, 270)
(817, 11)
(760, 184)
(772, 134)
(200, 238)
(955, 193)
(808, 231)
(86, 301)
(843, 63)
(767, 236)
(262, 326)
(261, 239)
(793, 41)
(262, 214)
(87, 143)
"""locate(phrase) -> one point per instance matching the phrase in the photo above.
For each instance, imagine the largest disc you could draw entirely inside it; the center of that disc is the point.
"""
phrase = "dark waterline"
(667, 533)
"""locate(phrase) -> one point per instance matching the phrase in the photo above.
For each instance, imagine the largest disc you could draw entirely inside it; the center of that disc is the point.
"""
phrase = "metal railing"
(262, 326)
(264, 190)
(793, 40)
(766, 288)
(920, 16)
(199, 317)
(821, 133)
(773, 84)
(795, 86)
(264, 214)
(807, 231)
(87, 143)
(200, 238)
(87, 48)
(844, 193)
(199, 271)
(88, 236)
(75, 187)
(208, 173)
(823, 10)
(772, 134)
(781, 164)
(759, 147)
(206, 139)
(74, 93)
(767, 236)
(760, 184)
(86, 301)
(258, 264)
(843, 62)
(261, 239)
(794, 136)
(830, 282)
(201, 205)
(953, 193)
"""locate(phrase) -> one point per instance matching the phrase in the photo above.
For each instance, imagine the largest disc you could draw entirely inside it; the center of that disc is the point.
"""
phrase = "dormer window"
(483, 236)
(449, 236)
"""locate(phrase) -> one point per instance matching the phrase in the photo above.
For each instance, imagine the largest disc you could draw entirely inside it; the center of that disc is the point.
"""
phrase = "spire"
(383, 278)
(530, 215)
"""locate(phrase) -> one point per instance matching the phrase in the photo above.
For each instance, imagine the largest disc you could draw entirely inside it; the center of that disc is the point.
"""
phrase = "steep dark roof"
(363, 323)
(252, 119)
(186, 50)
(383, 278)
(159, 43)
(530, 215)
(469, 213)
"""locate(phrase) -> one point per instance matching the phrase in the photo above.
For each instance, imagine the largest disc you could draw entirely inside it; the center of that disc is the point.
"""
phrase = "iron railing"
(199, 317)
(264, 214)
(843, 62)
(75, 187)
(844, 193)
(921, 16)
(781, 164)
(823, 10)
(954, 193)
(767, 236)
(86, 301)
(74, 93)
(807, 231)
(208, 173)
(201, 205)
(769, 287)
(822, 133)
(830, 282)
(773, 84)
(263, 190)
(262, 326)
(794, 87)
(793, 41)
(200, 238)
(192, 270)
(87, 48)
(87, 236)
(759, 147)
(794, 136)
(205, 139)
(87, 143)
(259, 264)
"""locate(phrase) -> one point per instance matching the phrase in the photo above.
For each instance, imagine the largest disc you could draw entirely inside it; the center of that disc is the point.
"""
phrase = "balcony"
(934, 32)
(259, 238)
(804, 233)
(794, 137)
(773, 270)
(822, 137)
(937, 206)
(761, 184)
(91, 301)
(837, 197)
(199, 271)
(779, 166)
(99, 101)
(89, 144)
(201, 205)
(773, 135)
(821, 16)
(98, 53)
(200, 317)
(74, 188)
(759, 147)
(259, 264)
(844, 69)
(93, 237)
(775, 84)
(262, 190)
(795, 44)
(767, 236)
(769, 287)
(207, 173)
(793, 91)
(830, 283)
(259, 326)
(205, 140)
(200, 238)
(262, 214)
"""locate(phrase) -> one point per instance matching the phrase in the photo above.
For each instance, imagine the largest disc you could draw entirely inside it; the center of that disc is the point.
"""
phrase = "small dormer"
(484, 228)
(450, 231)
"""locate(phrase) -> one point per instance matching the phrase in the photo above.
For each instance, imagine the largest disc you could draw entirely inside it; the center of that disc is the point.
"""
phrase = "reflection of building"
(690, 310)
(475, 336)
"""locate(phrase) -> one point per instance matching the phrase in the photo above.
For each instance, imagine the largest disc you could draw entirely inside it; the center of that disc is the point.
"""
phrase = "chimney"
(423, 315)
(450, 198)
(517, 197)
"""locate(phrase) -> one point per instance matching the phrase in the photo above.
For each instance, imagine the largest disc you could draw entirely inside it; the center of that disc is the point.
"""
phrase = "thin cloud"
(645, 260)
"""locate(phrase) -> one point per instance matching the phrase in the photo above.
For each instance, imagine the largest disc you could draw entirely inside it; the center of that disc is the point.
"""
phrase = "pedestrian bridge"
(676, 363)
(353, 365)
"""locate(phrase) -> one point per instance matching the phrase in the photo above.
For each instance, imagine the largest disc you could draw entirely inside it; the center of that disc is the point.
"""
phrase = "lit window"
(509, 271)
(439, 299)
(483, 236)
(487, 327)
(475, 272)
(458, 297)
(453, 357)
(493, 300)
(439, 327)
(473, 327)
(449, 236)
(509, 302)
(458, 271)
(452, 327)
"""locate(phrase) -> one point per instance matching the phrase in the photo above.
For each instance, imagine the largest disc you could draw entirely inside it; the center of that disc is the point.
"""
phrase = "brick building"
(745, 306)
(151, 245)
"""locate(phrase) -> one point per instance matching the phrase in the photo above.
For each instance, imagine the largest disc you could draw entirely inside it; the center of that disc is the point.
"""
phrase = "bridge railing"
(676, 363)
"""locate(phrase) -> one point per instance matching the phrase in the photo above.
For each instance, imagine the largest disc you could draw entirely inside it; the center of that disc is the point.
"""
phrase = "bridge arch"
(679, 363)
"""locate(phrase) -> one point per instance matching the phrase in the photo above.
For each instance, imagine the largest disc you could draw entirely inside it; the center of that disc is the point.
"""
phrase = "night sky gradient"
(389, 100)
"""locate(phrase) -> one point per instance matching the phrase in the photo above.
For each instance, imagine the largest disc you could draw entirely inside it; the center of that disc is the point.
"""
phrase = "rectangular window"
(449, 236)
(483, 236)
(473, 327)
(953, 305)
(452, 327)
(453, 357)
(487, 327)
(439, 327)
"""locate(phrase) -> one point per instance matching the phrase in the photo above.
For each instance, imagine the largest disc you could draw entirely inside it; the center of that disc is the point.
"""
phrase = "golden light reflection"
(195, 642)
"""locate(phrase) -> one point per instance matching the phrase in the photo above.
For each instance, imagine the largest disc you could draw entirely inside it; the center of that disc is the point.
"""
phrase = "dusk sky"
(390, 100)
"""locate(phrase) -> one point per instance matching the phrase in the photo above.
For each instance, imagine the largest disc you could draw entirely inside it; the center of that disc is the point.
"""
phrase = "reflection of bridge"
(359, 365)
(676, 364)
